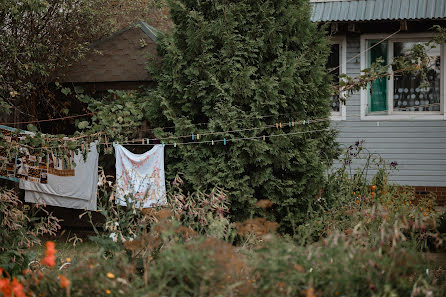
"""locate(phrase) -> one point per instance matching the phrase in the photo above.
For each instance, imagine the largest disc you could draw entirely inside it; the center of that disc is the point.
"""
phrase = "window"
(402, 95)
(336, 66)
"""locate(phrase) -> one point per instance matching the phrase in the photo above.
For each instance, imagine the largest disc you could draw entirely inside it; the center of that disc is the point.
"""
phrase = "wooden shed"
(116, 62)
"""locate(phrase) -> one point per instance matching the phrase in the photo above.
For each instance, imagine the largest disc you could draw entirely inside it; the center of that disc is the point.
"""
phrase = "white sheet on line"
(140, 177)
(63, 191)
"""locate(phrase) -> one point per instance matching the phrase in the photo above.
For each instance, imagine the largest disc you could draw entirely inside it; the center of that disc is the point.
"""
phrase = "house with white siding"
(397, 119)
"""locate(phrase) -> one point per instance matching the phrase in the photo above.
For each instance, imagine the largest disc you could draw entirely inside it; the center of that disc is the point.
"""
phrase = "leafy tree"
(228, 64)
(39, 38)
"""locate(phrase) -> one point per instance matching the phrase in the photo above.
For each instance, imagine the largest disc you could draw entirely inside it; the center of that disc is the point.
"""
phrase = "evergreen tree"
(228, 64)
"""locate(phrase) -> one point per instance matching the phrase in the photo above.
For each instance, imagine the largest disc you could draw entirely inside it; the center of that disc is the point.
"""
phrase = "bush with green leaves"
(20, 230)
(228, 65)
(360, 197)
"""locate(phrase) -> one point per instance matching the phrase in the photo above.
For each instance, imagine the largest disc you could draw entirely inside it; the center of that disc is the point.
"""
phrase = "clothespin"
(277, 125)
(212, 142)
(198, 136)
(264, 137)
(147, 140)
(280, 125)
(224, 141)
(289, 124)
(304, 122)
(174, 144)
(193, 136)
(142, 141)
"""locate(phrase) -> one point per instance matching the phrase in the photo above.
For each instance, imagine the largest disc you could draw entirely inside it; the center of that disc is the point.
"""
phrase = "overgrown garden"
(261, 201)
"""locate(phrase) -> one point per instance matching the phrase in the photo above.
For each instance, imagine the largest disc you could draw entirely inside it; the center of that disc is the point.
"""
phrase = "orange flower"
(310, 292)
(110, 275)
(17, 288)
(50, 248)
(357, 201)
(373, 193)
(5, 287)
(373, 188)
(26, 271)
(107, 292)
(64, 282)
(50, 245)
(49, 260)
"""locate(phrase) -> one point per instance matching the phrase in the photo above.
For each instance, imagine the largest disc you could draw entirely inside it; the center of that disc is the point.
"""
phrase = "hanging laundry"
(26, 166)
(140, 177)
(78, 191)
(61, 166)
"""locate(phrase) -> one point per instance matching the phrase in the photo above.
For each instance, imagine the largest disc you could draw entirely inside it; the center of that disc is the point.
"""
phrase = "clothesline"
(198, 135)
(294, 122)
(142, 141)
(225, 141)
(279, 124)
(174, 144)
(49, 120)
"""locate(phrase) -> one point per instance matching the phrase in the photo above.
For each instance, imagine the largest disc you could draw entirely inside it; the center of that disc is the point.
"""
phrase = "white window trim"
(341, 115)
(441, 115)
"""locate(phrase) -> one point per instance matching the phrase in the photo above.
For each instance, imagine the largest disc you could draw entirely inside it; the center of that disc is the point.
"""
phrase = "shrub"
(227, 65)
(19, 231)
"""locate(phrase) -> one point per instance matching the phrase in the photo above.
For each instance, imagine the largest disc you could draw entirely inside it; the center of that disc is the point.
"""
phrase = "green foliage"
(39, 39)
(227, 64)
(204, 213)
(415, 61)
(184, 270)
(338, 267)
(442, 222)
(20, 230)
(36, 38)
(366, 245)
(119, 114)
(359, 200)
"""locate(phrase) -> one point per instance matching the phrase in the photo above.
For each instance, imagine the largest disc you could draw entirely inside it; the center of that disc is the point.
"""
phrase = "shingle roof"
(369, 10)
(121, 57)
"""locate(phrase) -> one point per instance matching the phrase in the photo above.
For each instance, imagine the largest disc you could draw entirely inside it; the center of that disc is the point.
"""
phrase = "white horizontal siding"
(419, 147)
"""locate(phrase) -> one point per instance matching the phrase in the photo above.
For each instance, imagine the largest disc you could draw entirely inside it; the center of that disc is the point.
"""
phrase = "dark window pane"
(334, 69)
(409, 94)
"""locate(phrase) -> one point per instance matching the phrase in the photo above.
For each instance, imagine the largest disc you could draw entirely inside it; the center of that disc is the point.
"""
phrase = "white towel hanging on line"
(140, 177)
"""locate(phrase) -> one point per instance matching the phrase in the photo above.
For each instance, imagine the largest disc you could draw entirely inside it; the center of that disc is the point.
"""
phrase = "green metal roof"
(370, 10)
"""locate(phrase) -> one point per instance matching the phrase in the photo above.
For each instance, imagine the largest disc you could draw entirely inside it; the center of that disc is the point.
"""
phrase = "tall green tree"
(38, 39)
(228, 64)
